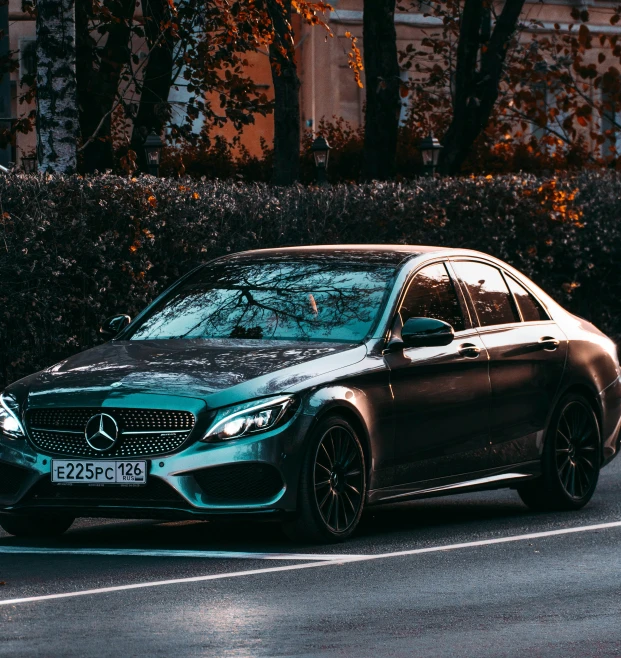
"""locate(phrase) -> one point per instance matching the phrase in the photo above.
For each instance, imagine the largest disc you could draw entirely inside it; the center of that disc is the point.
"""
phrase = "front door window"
(432, 295)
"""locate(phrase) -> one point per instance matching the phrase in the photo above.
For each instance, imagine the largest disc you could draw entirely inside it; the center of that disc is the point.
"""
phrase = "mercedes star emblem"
(101, 432)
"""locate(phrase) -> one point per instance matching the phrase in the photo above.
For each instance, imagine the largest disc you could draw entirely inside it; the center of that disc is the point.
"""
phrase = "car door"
(441, 394)
(527, 353)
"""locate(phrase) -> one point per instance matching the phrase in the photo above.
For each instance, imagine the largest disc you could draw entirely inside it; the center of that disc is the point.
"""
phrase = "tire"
(36, 525)
(332, 487)
(571, 461)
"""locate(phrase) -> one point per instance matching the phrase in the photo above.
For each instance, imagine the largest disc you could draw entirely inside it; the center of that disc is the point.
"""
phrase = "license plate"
(100, 472)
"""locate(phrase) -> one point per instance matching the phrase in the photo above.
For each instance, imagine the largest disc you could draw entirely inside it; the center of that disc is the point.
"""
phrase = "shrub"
(75, 250)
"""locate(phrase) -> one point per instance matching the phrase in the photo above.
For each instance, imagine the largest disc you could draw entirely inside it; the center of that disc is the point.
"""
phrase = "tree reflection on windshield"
(320, 298)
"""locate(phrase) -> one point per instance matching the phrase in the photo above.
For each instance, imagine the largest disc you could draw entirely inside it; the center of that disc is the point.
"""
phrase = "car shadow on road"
(437, 519)
(449, 513)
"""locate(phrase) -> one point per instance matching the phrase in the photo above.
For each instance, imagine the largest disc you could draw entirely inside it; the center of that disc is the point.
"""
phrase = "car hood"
(218, 372)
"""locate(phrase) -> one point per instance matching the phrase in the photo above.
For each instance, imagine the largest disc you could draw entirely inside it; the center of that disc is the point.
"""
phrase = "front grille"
(11, 478)
(155, 492)
(143, 432)
(239, 483)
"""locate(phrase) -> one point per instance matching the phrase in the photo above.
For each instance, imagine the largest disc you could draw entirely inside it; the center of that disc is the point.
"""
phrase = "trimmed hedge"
(75, 250)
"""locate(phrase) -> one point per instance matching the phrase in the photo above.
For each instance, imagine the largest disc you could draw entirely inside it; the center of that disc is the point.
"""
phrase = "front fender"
(370, 412)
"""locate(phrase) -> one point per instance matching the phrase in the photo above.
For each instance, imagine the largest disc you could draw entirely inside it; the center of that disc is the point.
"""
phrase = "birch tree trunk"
(57, 111)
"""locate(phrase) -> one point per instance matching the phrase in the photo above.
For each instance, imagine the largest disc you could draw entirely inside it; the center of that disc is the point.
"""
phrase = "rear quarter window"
(531, 309)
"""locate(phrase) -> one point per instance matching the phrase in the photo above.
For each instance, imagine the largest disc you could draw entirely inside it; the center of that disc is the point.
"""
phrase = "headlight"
(10, 424)
(250, 418)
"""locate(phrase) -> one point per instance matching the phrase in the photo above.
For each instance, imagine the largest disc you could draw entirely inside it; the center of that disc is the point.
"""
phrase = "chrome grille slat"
(56, 431)
(147, 432)
(143, 432)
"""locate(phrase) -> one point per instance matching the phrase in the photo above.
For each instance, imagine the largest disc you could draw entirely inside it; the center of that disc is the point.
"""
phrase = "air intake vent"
(11, 478)
(156, 492)
(239, 483)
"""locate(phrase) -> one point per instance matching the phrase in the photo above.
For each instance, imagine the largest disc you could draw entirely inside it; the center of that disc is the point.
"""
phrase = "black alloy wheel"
(332, 485)
(338, 479)
(577, 447)
(571, 459)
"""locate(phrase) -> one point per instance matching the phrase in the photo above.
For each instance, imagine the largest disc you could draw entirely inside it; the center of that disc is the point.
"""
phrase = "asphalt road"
(247, 591)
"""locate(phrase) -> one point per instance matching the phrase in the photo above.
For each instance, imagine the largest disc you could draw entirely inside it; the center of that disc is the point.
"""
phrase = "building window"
(547, 124)
(425, 7)
(27, 57)
(404, 99)
(611, 124)
(542, 106)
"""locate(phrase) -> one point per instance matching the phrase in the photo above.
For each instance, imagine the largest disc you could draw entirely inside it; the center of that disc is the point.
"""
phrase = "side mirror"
(113, 326)
(426, 332)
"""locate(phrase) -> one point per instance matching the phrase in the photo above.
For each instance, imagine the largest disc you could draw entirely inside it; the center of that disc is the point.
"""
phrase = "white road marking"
(140, 552)
(317, 564)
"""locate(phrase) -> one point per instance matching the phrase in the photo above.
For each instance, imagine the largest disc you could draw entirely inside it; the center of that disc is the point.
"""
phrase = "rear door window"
(490, 295)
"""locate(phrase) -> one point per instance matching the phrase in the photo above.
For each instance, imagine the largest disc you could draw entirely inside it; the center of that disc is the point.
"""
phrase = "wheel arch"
(339, 405)
(354, 419)
(591, 396)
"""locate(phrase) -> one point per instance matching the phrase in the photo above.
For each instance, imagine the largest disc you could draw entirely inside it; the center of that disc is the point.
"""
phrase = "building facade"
(328, 88)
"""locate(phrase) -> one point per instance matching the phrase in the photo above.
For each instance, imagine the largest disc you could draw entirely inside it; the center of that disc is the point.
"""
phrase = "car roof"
(395, 255)
(380, 253)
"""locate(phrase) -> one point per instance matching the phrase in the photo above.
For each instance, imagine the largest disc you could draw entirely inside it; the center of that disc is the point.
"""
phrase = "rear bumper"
(254, 476)
(611, 420)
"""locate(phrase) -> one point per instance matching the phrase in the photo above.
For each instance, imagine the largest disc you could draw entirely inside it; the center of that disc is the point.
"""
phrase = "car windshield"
(308, 299)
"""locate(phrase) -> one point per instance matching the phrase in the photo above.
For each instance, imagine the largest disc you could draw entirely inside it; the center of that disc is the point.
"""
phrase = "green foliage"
(75, 250)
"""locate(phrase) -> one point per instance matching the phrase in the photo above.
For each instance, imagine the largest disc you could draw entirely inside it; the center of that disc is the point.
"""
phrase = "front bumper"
(252, 476)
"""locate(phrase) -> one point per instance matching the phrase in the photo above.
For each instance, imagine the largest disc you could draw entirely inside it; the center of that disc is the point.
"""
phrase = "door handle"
(469, 350)
(549, 343)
